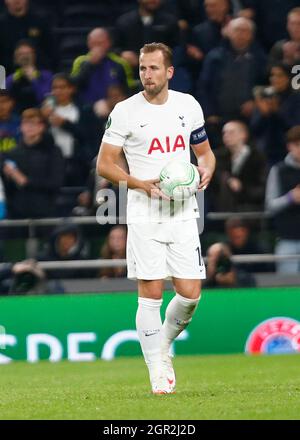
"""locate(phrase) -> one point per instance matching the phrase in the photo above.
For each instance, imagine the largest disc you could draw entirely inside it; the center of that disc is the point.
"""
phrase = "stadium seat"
(87, 14)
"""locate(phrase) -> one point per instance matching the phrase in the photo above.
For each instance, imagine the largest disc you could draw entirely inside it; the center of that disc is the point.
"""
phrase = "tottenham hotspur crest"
(182, 121)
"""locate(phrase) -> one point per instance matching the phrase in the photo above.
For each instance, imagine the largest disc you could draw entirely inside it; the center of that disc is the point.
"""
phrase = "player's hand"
(151, 187)
(205, 177)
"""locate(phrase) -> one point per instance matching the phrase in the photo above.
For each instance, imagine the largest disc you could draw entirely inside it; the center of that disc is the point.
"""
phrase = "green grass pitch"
(212, 387)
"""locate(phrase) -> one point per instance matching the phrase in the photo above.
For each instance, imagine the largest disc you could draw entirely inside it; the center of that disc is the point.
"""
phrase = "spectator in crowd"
(28, 84)
(241, 62)
(33, 172)
(114, 248)
(288, 49)
(283, 202)
(145, 24)
(208, 34)
(9, 123)
(90, 199)
(221, 272)
(270, 18)
(241, 242)
(24, 277)
(100, 68)
(103, 108)
(189, 13)
(66, 121)
(277, 110)
(67, 244)
(87, 203)
(20, 21)
(239, 180)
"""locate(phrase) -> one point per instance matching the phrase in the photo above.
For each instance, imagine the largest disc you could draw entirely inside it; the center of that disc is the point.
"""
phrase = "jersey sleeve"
(198, 133)
(116, 130)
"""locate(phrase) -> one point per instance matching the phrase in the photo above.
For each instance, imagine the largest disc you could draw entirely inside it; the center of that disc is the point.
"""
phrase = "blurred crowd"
(68, 64)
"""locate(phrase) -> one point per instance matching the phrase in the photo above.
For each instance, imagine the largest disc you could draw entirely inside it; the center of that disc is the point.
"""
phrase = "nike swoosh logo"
(143, 125)
(151, 334)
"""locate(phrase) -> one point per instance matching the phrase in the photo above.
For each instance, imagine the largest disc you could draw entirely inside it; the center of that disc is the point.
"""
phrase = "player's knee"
(150, 289)
(192, 291)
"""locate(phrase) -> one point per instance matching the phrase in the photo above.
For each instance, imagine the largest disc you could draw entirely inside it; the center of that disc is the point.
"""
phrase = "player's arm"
(108, 167)
(206, 162)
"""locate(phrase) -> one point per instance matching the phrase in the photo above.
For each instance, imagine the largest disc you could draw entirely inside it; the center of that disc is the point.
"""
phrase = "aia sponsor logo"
(166, 146)
(275, 336)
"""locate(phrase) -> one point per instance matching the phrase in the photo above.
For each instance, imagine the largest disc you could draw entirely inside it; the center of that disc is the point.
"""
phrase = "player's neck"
(159, 99)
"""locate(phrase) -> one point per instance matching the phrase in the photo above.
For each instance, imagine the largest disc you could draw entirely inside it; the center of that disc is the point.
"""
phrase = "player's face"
(154, 74)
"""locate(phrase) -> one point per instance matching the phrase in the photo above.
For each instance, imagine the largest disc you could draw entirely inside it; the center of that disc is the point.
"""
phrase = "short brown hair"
(165, 50)
(293, 134)
(33, 113)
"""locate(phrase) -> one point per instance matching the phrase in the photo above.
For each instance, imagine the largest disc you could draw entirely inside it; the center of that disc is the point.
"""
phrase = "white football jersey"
(152, 135)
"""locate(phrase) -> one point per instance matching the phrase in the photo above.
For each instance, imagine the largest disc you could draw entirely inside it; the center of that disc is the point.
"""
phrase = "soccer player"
(153, 127)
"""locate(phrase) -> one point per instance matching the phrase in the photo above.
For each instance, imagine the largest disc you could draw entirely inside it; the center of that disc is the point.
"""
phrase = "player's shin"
(149, 324)
(178, 315)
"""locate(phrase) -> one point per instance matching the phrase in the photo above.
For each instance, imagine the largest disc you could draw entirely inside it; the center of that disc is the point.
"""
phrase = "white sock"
(178, 315)
(149, 324)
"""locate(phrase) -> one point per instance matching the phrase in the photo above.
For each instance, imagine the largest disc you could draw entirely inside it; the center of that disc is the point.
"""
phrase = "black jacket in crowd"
(252, 175)
(228, 78)
(30, 27)
(43, 165)
(132, 34)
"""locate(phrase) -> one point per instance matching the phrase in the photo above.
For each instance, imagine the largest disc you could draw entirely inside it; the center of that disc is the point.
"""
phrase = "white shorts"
(162, 250)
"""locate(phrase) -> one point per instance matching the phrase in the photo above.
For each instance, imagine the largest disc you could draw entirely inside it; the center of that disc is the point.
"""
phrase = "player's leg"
(180, 309)
(186, 266)
(148, 320)
(146, 262)
(149, 324)
(178, 315)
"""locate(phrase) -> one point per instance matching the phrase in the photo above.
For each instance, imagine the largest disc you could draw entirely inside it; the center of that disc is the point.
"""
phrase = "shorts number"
(199, 256)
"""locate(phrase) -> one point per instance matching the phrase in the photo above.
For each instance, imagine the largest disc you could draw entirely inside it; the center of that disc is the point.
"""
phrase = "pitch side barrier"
(86, 327)
(104, 263)
(91, 220)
